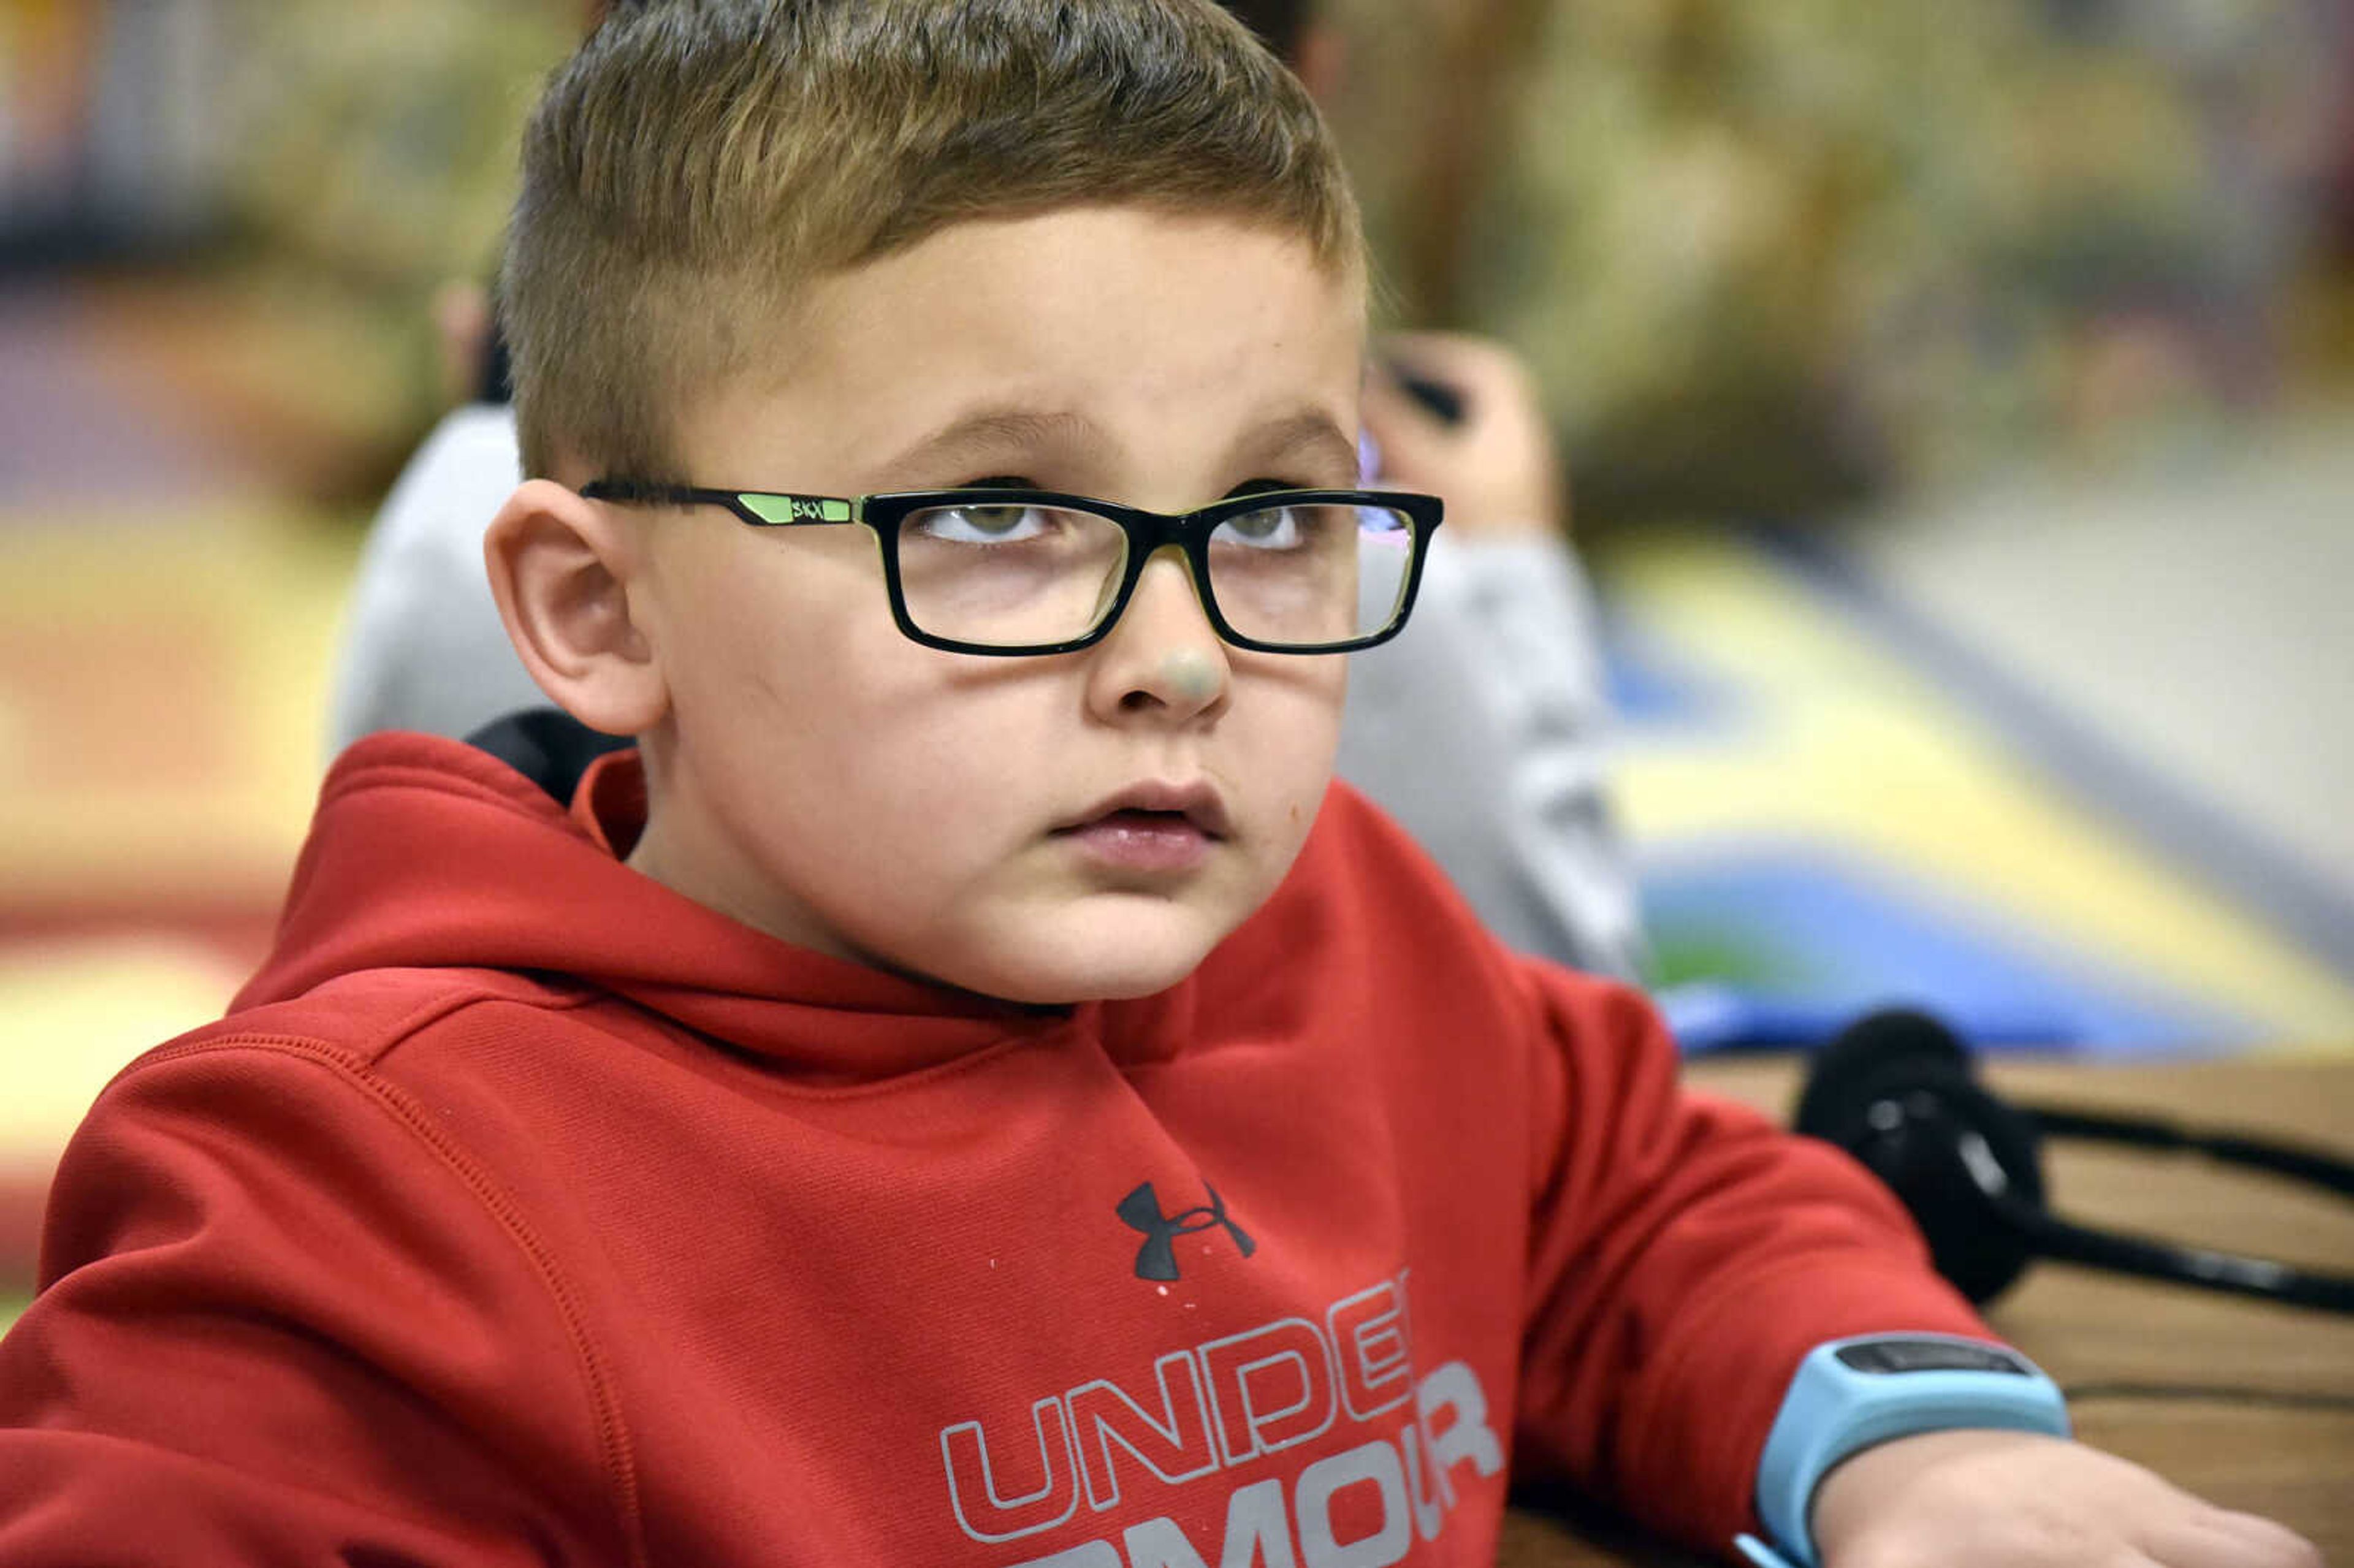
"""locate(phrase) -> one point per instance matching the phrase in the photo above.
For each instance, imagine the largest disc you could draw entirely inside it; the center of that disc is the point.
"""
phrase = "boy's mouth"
(1149, 805)
(1150, 828)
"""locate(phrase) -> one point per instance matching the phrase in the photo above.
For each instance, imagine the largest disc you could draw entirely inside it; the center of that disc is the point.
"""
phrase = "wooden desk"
(2092, 1330)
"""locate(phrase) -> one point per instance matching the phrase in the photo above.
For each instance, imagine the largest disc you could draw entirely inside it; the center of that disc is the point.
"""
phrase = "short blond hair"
(699, 161)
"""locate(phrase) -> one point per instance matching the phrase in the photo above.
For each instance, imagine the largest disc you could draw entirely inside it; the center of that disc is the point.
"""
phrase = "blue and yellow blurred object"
(1826, 822)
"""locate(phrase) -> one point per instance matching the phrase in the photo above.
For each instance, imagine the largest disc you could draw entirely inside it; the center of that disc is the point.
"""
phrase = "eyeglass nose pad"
(1182, 654)
(1109, 590)
(1176, 557)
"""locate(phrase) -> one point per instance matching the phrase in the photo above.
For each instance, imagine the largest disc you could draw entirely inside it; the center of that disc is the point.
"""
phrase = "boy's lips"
(1150, 828)
(1197, 804)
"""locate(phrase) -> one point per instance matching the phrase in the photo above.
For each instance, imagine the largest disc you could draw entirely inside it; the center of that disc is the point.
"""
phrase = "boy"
(1479, 732)
(963, 1090)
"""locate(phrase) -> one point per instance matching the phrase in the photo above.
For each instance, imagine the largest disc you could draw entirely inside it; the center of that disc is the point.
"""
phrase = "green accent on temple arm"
(797, 508)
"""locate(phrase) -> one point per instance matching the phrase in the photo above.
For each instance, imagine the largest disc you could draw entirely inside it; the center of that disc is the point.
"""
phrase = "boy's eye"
(1276, 528)
(979, 524)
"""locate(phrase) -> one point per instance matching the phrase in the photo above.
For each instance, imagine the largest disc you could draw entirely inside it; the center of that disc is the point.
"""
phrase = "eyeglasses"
(990, 570)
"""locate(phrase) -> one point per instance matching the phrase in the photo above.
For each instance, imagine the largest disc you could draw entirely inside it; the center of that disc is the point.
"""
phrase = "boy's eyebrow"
(991, 428)
(994, 428)
(1310, 433)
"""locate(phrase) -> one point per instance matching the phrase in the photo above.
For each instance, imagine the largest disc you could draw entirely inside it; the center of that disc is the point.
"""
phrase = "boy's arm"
(1686, 1256)
(284, 1322)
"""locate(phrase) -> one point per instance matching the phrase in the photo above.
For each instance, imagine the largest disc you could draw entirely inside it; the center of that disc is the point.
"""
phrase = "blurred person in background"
(1480, 730)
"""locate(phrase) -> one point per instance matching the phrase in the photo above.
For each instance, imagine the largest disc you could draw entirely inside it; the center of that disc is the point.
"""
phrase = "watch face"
(1905, 1355)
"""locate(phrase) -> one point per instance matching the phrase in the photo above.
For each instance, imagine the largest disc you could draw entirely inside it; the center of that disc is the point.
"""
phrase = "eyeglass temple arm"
(764, 508)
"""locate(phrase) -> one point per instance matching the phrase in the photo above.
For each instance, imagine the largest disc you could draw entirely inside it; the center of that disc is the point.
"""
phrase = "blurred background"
(1958, 401)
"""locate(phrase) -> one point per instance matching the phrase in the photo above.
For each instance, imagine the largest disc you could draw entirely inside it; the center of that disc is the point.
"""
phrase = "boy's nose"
(1163, 656)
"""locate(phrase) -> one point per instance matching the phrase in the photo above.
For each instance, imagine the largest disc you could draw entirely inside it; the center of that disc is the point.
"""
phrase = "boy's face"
(992, 822)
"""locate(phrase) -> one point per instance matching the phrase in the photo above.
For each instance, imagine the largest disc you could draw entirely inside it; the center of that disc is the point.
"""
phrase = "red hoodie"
(525, 1212)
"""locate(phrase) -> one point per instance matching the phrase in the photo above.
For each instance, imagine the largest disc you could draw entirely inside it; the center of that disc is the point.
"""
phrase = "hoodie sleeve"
(1685, 1256)
(283, 1321)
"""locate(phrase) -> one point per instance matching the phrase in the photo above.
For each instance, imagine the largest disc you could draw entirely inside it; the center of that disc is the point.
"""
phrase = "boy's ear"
(562, 569)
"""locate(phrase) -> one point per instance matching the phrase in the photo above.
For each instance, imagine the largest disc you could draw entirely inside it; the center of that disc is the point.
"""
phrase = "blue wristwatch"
(1851, 1394)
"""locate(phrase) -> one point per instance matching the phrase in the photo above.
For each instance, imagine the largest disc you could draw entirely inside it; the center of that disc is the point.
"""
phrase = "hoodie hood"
(428, 853)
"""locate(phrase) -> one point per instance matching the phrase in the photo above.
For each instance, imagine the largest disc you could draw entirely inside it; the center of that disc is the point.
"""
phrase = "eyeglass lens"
(1017, 575)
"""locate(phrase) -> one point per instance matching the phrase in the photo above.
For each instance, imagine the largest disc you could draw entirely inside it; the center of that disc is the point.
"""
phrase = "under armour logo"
(1156, 1259)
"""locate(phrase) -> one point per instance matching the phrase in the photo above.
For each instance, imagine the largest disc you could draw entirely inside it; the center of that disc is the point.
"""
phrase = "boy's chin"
(1108, 957)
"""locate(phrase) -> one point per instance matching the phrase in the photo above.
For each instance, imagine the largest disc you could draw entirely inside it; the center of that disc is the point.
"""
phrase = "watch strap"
(1848, 1395)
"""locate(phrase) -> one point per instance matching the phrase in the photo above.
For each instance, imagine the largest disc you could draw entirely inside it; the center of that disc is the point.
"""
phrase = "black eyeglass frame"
(1148, 532)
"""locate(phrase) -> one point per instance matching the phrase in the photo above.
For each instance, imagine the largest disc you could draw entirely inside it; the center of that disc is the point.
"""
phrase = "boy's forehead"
(1080, 331)
(1116, 276)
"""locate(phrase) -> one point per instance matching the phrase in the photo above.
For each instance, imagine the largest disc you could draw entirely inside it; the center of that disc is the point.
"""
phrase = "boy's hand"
(1496, 469)
(2011, 1499)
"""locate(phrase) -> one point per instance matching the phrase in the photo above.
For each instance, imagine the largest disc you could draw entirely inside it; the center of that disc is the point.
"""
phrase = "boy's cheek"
(1309, 734)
